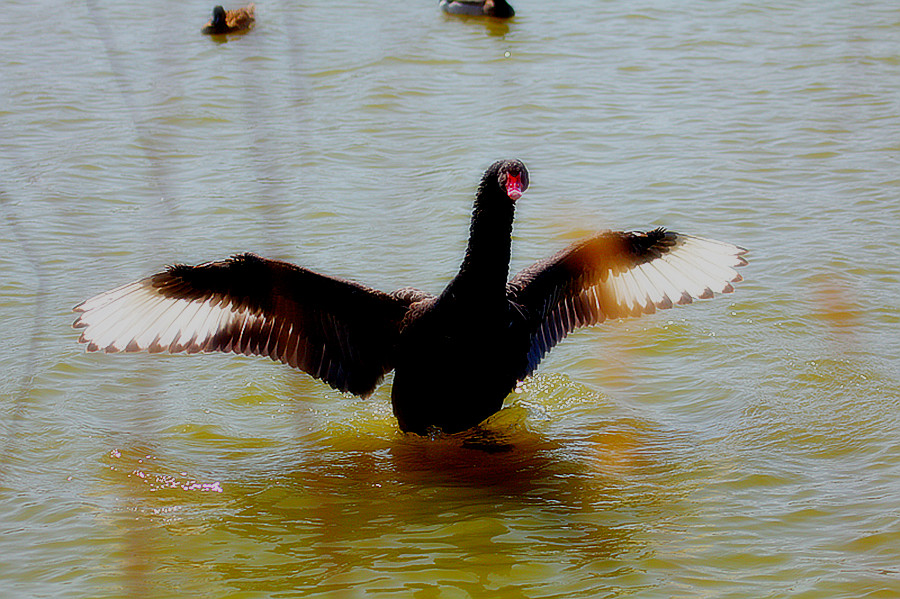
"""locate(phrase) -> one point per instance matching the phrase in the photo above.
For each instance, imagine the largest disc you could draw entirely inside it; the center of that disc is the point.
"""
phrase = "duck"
(230, 21)
(499, 9)
(456, 355)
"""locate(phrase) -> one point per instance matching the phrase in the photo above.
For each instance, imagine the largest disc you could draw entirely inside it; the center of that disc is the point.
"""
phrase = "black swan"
(479, 8)
(230, 21)
(456, 356)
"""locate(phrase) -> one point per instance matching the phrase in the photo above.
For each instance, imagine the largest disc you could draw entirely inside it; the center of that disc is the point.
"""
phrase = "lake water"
(743, 447)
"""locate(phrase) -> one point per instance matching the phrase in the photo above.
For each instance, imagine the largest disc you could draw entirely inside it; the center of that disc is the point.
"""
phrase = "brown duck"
(230, 21)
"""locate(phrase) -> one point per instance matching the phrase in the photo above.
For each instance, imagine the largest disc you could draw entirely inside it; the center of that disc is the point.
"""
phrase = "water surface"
(743, 447)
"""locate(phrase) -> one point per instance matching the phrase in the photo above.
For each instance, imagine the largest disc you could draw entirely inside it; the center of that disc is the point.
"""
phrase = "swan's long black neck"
(485, 268)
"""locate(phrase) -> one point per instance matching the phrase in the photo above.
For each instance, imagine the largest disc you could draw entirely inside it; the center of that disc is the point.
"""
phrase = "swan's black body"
(456, 356)
(456, 353)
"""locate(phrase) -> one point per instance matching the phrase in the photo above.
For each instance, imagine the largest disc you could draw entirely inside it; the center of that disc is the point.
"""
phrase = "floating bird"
(479, 8)
(455, 356)
(230, 21)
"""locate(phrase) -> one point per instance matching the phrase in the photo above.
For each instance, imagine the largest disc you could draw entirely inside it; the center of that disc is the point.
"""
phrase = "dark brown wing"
(613, 275)
(335, 330)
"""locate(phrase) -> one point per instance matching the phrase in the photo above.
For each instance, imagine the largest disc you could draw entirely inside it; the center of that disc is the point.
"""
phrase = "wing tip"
(685, 299)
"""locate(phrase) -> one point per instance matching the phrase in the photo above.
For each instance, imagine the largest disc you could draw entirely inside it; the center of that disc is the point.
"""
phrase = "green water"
(743, 447)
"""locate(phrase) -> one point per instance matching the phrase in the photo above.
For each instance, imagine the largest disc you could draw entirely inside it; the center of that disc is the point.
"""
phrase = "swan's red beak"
(514, 187)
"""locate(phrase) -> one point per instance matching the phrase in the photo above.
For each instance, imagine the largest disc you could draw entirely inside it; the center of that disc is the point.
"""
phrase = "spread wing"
(335, 330)
(614, 275)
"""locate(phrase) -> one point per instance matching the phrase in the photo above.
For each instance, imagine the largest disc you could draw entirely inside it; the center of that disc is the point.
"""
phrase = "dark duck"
(499, 9)
(455, 356)
(230, 21)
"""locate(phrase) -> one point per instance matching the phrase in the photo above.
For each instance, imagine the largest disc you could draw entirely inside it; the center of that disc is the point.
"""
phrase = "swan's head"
(511, 176)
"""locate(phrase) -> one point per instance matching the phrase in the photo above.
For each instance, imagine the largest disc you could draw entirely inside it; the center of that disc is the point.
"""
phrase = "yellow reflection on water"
(836, 304)
(358, 505)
